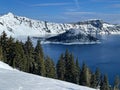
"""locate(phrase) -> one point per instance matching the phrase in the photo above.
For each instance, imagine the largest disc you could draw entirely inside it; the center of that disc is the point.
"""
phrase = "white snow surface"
(21, 26)
(11, 79)
(5, 66)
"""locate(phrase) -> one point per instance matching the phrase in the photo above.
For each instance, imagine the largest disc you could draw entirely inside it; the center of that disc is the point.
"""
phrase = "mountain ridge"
(15, 26)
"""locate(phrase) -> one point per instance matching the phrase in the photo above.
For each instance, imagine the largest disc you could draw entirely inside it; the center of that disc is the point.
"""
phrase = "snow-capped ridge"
(9, 15)
(16, 26)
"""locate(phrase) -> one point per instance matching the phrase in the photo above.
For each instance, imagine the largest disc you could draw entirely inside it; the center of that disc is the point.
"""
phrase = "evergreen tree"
(85, 75)
(116, 83)
(61, 68)
(10, 51)
(105, 83)
(39, 59)
(20, 59)
(29, 51)
(77, 72)
(3, 44)
(67, 66)
(1, 53)
(50, 68)
(97, 75)
(72, 70)
(95, 79)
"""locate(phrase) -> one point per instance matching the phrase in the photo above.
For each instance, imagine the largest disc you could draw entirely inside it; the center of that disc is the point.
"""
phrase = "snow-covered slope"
(5, 66)
(22, 26)
(11, 79)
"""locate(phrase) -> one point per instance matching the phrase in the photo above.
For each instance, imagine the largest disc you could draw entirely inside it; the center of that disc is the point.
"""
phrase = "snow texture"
(11, 79)
(21, 26)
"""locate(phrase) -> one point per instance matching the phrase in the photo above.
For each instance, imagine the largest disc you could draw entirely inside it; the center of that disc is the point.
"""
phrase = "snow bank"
(5, 66)
(17, 80)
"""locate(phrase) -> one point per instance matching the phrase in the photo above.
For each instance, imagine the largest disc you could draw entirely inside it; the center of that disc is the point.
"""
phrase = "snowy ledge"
(72, 43)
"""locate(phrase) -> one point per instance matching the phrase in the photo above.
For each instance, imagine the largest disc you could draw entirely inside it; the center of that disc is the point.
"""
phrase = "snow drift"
(11, 79)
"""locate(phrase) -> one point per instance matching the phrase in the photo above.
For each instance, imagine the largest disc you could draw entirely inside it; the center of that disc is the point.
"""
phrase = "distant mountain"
(12, 79)
(21, 26)
(17, 26)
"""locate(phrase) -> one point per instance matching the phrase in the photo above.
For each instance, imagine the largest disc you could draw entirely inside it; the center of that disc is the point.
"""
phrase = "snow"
(22, 26)
(105, 25)
(72, 43)
(5, 66)
(11, 79)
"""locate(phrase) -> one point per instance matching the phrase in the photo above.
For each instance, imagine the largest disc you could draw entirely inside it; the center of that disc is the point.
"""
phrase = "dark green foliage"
(71, 74)
(3, 43)
(85, 75)
(116, 83)
(61, 68)
(10, 54)
(20, 59)
(1, 53)
(50, 68)
(29, 51)
(70, 68)
(95, 79)
(78, 71)
(67, 66)
(105, 83)
(39, 60)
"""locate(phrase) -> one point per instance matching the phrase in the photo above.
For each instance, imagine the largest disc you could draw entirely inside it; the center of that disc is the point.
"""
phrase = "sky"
(64, 11)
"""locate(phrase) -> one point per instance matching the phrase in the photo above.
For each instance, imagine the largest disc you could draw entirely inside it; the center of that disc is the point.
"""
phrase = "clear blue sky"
(64, 10)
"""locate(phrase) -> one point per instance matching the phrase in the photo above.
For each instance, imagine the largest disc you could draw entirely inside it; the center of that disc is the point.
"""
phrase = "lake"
(105, 55)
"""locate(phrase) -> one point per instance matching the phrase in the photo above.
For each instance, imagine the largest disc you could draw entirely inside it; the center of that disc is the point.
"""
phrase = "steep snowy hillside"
(22, 26)
(11, 79)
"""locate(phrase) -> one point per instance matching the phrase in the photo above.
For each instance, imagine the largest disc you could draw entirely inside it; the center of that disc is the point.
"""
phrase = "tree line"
(27, 58)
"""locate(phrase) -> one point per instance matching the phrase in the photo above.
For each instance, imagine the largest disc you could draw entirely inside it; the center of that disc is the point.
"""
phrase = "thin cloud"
(79, 13)
(75, 16)
(115, 6)
(50, 4)
(109, 1)
(77, 3)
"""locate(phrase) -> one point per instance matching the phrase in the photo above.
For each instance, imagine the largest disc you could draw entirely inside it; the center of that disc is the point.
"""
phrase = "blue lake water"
(105, 55)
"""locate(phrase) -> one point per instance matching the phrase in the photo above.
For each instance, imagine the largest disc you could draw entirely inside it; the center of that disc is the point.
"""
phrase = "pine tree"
(105, 83)
(29, 51)
(95, 79)
(3, 44)
(72, 70)
(61, 68)
(97, 75)
(1, 53)
(20, 59)
(39, 59)
(116, 83)
(10, 51)
(77, 72)
(67, 66)
(85, 76)
(50, 68)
